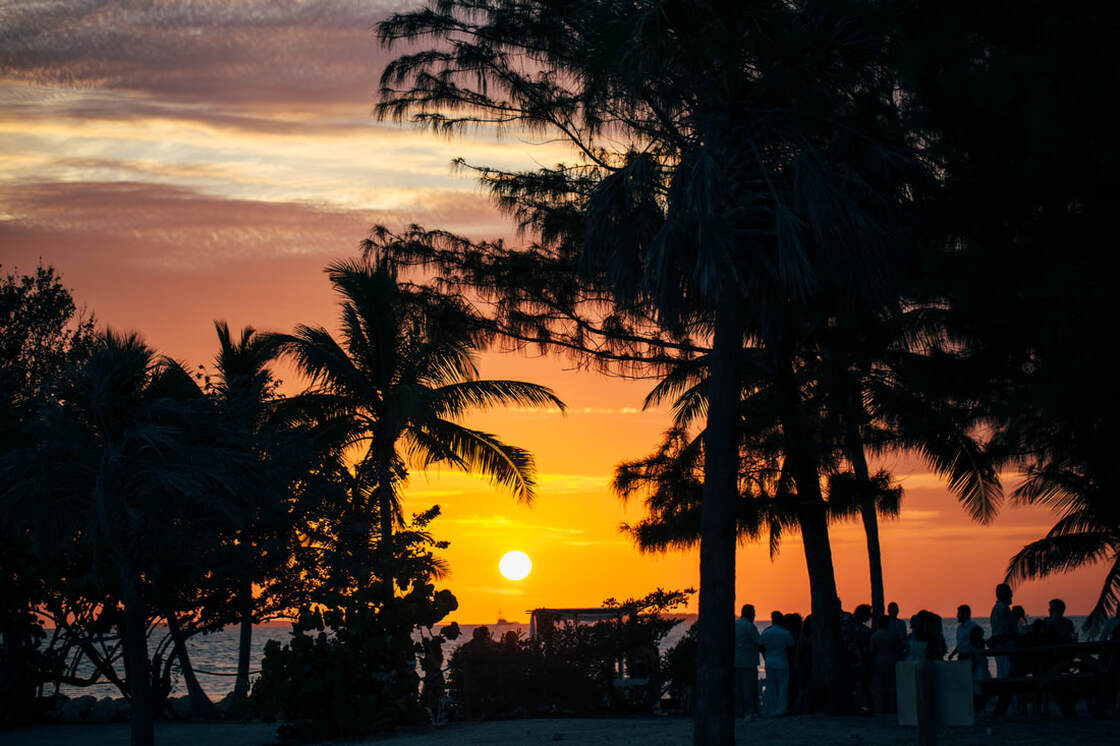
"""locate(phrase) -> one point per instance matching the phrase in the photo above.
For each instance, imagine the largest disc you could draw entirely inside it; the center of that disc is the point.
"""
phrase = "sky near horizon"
(186, 161)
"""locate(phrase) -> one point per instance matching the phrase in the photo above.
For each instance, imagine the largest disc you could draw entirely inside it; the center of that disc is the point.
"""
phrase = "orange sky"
(203, 160)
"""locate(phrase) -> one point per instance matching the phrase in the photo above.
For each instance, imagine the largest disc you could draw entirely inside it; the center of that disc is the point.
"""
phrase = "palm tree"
(872, 396)
(143, 455)
(670, 480)
(244, 391)
(403, 373)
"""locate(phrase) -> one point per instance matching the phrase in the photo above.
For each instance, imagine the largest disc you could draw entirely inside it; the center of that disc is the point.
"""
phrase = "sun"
(515, 565)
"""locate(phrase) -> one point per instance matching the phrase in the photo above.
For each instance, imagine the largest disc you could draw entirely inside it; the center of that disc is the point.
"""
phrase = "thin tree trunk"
(136, 661)
(245, 644)
(830, 665)
(870, 516)
(201, 706)
(385, 519)
(714, 723)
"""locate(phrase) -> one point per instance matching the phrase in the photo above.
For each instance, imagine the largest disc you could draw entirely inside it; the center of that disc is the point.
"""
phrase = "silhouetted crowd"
(872, 650)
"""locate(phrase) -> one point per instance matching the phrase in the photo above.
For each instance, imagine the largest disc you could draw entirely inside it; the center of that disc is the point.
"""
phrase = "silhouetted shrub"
(358, 678)
(569, 668)
(679, 668)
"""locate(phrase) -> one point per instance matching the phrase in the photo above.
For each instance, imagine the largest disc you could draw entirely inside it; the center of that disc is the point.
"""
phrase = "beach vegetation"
(607, 667)
(42, 331)
(148, 478)
(350, 668)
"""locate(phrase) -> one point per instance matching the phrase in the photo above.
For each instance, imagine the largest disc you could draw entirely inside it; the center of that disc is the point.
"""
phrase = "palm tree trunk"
(830, 665)
(385, 520)
(714, 720)
(201, 706)
(870, 516)
(136, 660)
(245, 644)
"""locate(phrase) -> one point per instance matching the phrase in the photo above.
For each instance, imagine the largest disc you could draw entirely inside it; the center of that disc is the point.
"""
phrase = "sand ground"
(662, 731)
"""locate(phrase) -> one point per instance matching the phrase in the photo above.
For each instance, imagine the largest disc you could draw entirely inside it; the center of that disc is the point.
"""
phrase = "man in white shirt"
(776, 643)
(746, 664)
(964, 631)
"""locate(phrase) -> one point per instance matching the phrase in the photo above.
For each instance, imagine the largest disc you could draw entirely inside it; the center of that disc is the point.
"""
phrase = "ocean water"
(215, 655)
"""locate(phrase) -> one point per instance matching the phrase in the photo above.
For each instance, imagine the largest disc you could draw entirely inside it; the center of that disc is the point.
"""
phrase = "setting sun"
(515, 565)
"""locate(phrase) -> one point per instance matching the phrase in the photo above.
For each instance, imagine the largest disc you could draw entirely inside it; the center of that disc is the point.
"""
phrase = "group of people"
(873, 650)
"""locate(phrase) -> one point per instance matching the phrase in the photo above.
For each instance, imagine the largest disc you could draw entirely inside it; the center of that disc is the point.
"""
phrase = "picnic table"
(1063, 673)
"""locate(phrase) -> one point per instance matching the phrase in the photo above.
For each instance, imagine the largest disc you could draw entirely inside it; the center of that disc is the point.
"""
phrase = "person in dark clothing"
(861, 658)
(980, 672)
(793, 623)
(804, 673)
(1063, 627)
(886, 651)
(1019, 615)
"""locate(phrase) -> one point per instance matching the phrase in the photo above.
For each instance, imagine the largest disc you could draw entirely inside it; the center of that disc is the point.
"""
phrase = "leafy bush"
(357, 678)
(679, 668)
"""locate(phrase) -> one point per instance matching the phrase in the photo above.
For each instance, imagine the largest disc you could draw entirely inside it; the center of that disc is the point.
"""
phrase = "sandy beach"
(657, 731)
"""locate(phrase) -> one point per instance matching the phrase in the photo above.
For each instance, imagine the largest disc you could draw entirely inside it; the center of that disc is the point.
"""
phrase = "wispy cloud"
(502, 523)
(579, 543)
(168, 226)
(244, 53)
(510, 591)
(548, 483)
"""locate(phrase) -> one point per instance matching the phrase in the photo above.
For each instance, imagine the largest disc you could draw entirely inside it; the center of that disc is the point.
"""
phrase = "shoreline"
(806, 730)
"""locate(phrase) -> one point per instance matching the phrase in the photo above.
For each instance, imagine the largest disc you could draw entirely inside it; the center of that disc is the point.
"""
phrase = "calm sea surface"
(215, 656)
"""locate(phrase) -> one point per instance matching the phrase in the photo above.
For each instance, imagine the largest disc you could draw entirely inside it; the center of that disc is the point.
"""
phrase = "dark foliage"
(350, 668)
(608, 667)
(41, 333)
(680, 668)
(1015, 108)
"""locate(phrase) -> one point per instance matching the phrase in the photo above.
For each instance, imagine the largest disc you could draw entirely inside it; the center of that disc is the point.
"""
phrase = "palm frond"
(477, 452)
(1055, 485)
(971, 475)
(1060, 553)
(682, 377)
(1109, 601)
(319, 356)
(455, 399)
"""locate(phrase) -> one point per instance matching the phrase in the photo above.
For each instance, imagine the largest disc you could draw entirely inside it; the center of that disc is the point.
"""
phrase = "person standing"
(775, 644)
(898, 626)
(746, 664)
(860, 657)
(964, 632)
(1003, 628)
(886, 651)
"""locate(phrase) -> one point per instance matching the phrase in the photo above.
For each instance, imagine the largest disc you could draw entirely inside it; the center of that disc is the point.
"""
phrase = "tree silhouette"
(244, 390)
(1023, 277)
(41, 332)
(403, 373)
(145, 461)
(736, 188)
